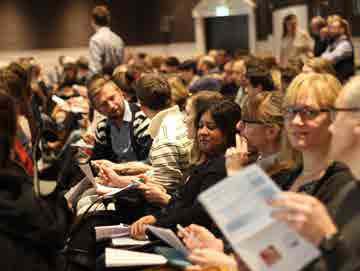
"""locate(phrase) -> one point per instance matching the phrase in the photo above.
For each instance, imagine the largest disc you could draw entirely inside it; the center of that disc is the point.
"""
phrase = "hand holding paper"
(306, 215)
(245, 218)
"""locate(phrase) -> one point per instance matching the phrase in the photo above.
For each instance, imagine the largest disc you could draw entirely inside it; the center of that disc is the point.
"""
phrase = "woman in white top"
(295, 43)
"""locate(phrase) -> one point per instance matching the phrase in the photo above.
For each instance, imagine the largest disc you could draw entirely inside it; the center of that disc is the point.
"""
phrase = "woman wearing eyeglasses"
(335, 226)
(328, 213)
(307, 115)
(260, 135)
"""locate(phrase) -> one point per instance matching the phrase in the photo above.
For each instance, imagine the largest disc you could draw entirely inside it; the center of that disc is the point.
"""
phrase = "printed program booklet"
(239, 206)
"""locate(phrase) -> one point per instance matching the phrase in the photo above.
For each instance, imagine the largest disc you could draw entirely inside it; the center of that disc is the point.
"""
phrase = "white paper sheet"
(127, 241)
(239, 206)
(101, 189)
(125, 258)
(115, 231)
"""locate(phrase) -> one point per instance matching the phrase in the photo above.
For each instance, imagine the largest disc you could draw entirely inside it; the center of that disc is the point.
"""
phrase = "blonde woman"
(307, 106)
(260, 134)
(333, 227)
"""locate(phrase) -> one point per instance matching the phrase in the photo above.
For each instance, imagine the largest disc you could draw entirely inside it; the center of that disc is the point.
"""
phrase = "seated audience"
(215, 131)
(169, 153)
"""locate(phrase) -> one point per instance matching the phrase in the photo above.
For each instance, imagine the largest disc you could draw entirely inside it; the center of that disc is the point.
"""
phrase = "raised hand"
(237, 157)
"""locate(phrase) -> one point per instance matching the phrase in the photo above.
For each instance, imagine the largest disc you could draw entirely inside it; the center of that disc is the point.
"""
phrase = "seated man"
(116, 137)
(169, 153)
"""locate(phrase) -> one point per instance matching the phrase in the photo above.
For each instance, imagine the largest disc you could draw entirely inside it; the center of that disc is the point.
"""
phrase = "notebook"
(115, 231)
(127, 241)
(125, 258)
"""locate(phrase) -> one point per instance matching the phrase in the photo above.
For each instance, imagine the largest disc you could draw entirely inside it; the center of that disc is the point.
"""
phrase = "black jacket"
(32, 231)
(338, 191)
(345, 210)
(185, 209)
(336, 176)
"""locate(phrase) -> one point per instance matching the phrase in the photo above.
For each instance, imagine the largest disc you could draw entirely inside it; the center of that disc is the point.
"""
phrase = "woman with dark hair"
(295, 43)
(215, 132)
(32, 230)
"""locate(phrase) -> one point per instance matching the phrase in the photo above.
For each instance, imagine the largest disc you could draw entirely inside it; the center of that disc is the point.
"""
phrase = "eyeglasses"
(335, 110)
(258, 122)
(306, 113)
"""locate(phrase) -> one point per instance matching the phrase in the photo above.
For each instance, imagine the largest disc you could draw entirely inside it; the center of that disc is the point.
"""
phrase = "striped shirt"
(169, 153)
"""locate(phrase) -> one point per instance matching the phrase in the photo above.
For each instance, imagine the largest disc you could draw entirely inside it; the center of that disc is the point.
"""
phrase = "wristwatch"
(328, 244)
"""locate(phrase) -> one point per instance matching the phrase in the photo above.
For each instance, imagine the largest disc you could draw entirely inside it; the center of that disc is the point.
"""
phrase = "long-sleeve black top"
(340, 193)
(185, 209)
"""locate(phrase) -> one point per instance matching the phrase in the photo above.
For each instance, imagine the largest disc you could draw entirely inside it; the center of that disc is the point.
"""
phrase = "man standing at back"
(106, 48)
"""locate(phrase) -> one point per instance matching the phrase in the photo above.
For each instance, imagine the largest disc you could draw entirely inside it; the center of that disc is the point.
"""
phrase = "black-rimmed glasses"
(306, 113)
(335, 110)
(258, 122)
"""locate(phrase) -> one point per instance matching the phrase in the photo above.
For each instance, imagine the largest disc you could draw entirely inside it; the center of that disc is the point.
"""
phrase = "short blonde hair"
(324, 88)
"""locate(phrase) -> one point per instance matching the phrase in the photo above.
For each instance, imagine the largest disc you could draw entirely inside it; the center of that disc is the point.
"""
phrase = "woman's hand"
(208, 257)
(138, 228)
(237, 157)
(306, 215)
(195, 237)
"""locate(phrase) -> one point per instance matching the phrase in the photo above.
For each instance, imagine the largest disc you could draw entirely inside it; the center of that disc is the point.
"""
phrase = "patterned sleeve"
(169, 161)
